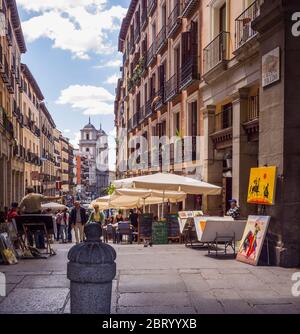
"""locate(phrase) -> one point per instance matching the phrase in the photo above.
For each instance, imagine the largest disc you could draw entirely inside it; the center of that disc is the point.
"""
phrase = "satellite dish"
(2, 25)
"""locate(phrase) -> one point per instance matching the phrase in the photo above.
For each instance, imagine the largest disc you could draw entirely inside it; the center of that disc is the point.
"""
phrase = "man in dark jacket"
(77, 221)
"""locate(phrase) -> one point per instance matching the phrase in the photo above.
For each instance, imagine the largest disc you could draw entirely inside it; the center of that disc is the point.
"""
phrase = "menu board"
(160, 233)
(145, 225)
(173, 225)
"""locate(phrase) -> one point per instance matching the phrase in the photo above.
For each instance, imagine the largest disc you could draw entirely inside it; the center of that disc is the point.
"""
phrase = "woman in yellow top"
(97, 216)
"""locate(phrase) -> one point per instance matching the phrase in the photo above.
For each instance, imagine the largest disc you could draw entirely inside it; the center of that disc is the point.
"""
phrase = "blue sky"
(72, 52)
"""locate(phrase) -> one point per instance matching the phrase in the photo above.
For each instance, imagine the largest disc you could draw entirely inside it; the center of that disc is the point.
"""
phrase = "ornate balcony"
(222, 137)
(125, 57)
(148, 108)
(137, 33)
(189, 72)
(6, 123)
(144, 19)
(172, 87)
(251, 126)
(151, 54)
(5, 70)
(135, 119)
(161, 40)
(142, 114)
(174, 21)
(216, 56)
(189, 7)
(243, 24)
(131, 46)
(11, 84)
(246, 43)
(9, 34)
(160, 98)
(151, 6)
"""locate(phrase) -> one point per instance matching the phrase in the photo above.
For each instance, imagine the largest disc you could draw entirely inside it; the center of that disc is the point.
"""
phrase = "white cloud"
(112, 80)
(91, 100)
(110, 63)
(66, 130)
(78, 26)
(75, 141)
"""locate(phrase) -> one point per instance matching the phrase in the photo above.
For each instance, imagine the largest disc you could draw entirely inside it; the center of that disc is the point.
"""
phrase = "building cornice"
(126, 22)
(17, 25)
(27, 73)
(47, 114)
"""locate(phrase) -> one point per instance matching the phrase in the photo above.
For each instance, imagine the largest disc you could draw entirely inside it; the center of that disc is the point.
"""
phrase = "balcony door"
(222, 18)
(222, 29)
(163, 15)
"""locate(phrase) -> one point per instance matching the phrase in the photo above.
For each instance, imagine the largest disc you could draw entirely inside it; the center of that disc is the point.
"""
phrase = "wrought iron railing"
(243, 24)
(161, 39)
(173, 19)
(151, 54)
(188, 6)
(172, 87)
(216, 51)
(151, 6)
(223, 120)
(189, 71)
(253, 108)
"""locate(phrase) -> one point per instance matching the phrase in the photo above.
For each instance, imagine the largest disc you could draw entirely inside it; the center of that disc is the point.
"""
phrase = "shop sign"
(271, 67)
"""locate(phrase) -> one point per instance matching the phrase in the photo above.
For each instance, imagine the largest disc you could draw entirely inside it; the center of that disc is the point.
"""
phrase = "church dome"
(89, 126)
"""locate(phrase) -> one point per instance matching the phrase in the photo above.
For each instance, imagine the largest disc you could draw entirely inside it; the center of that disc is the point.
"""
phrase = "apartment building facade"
(11, 139)
(158, 95)
(202, 68)
(31, 99)
(48, 176)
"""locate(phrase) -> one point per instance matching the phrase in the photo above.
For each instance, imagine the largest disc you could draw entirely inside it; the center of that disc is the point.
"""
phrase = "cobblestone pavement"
(161, 279)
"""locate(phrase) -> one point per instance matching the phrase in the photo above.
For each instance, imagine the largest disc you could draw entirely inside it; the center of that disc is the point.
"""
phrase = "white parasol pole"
(163, 204)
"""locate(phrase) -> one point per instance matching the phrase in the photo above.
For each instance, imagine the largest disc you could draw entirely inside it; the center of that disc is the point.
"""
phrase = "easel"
(27, 226)
(263, 212)
(34, 223)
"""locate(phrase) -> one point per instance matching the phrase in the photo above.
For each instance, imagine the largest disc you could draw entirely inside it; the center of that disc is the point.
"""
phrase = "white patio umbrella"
(53, 206)
(170, 182)
(150, 196)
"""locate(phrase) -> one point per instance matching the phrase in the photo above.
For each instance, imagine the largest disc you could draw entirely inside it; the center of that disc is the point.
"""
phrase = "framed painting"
(262, 185)
(253, 239)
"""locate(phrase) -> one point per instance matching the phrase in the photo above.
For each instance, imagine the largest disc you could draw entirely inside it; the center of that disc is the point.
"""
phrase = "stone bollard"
(91, 269)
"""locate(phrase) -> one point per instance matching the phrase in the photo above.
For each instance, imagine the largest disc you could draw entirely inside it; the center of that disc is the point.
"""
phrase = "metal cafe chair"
(124, 228)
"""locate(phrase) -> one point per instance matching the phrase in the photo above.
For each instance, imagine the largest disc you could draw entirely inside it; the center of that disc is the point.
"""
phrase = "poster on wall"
(271, 67)
(262, 184)
(253, 239)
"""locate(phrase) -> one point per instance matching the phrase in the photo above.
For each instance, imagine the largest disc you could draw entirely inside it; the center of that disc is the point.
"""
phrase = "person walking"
(77, 221)
(97, 216)
(58, 221)
(64, 223)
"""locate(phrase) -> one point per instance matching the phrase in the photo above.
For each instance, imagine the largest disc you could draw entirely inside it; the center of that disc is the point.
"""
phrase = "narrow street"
(163, 279)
